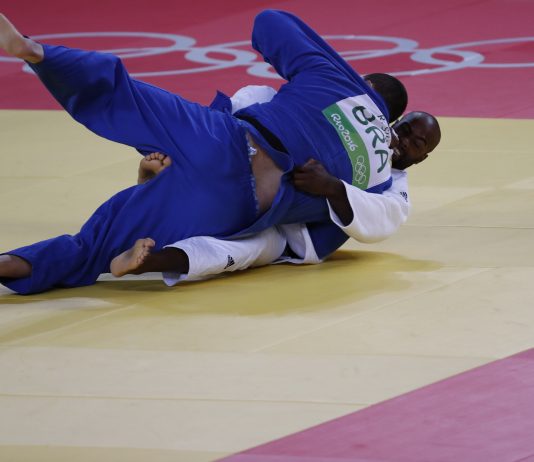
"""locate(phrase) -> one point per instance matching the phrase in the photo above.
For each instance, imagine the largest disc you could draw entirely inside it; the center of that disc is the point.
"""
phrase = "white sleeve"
(299, 241)
(376, 216)
(251, 94)
(209, 256)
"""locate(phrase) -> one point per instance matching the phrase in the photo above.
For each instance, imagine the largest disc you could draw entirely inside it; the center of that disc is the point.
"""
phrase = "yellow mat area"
(130, 370)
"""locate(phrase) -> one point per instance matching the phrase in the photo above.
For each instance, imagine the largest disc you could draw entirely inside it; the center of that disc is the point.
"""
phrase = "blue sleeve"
(326, 238)
(291, 46)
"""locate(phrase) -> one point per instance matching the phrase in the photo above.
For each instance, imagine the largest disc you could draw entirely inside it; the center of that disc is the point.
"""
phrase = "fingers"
(312, 178)
(302, 178)
(310, 163)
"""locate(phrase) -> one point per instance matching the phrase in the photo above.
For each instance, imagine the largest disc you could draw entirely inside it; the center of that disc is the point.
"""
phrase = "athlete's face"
(418, 135)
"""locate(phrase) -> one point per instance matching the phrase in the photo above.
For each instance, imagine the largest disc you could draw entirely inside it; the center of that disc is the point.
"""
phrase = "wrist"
(335, 188)
(340, 203)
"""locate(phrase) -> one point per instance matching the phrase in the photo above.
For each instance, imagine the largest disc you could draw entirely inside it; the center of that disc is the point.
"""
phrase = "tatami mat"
(133, 370)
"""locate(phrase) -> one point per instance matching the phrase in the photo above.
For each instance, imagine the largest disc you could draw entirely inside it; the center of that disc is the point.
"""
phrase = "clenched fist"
(313, 178)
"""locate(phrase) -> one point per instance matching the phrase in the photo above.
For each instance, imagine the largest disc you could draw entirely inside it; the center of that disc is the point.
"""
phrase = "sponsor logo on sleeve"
(231, 262)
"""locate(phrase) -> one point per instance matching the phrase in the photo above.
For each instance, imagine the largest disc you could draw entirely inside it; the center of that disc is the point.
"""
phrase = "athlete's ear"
(371, 84)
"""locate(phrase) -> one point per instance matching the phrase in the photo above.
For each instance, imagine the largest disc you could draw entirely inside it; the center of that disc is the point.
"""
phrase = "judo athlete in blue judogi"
(325, 111)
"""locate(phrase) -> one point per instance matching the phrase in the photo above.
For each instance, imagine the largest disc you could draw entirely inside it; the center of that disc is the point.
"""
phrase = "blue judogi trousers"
(208, 189)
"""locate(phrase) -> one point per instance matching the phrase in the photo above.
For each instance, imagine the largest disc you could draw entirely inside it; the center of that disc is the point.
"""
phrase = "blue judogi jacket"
(325, 111)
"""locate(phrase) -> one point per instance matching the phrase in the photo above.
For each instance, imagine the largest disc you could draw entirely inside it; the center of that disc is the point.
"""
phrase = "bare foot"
(15, 267)
(130, 260)
(15, 44)
(151, 165)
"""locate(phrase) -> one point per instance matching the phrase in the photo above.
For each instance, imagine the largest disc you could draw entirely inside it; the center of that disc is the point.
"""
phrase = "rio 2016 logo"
(208, 58)
(360, 171)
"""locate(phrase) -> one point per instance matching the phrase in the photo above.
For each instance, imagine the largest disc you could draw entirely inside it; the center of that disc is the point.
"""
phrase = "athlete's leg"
(67, 260)
(141, 259)
(151, 165)
(209, 147)
(98, 92)
(50, 262)
(15, 44)
(12, 266)
(168, 208)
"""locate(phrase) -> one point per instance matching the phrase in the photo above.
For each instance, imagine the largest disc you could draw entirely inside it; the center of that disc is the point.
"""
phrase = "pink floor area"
(483, 415)
(457, 57)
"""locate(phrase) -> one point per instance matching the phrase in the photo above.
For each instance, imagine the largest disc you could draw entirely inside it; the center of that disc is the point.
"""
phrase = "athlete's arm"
(376, 216)
(313, 178)
(363, 216)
